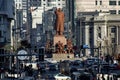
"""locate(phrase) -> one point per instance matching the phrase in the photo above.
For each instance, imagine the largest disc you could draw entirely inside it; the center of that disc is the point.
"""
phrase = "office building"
(112, 6)
(6, 17)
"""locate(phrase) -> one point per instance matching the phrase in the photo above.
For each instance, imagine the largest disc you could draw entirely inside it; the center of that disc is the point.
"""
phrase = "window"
(99, 35)
(112, 2)
(119, 12)
(100, 2)
(112, 11)
(0, 33)
(52, 5)
(118, 2)
(95, 2)
(49, 4)
(113, 40)
(0, 18)
(113, 30)
(51, 0)
(44, 4)
(99, 32)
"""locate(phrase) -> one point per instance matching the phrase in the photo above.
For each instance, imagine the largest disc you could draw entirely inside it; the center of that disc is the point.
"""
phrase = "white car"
(14, 75)
(62, 77)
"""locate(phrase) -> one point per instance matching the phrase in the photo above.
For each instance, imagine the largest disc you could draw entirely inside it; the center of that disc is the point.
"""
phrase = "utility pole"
(29, 27)
(29, 22)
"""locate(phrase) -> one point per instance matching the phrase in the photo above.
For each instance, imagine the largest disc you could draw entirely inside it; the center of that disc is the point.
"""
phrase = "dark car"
(49, 77)
(52, 67)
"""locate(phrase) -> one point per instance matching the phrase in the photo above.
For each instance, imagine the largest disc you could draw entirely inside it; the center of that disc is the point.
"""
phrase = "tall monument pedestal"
(60, 38)
(63, 56)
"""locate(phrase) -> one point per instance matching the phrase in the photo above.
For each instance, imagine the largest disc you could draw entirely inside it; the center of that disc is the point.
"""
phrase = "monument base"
(60, 38)
(62, 56)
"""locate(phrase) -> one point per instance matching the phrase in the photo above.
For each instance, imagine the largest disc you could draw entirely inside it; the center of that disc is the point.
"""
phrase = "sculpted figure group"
(60, 48)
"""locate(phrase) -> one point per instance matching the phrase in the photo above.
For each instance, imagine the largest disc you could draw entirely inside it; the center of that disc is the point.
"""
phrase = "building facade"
(70, 18)
(112, 6)
(6, 16)
(97, 25)
(6, 23)
(99, 30)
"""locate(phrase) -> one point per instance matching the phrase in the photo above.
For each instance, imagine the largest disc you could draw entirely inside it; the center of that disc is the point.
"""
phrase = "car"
(27, 78)
(62, 77)
(13, 74)
(49, 77)
(114, 66)
(92, 61)
(52, 67)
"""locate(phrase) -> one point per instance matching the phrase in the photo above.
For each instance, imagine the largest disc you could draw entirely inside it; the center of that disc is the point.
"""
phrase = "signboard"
(85, 46)
(22, 52)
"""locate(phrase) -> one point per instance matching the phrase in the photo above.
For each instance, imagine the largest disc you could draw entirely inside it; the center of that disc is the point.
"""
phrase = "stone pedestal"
(63, 56)
(60, 38)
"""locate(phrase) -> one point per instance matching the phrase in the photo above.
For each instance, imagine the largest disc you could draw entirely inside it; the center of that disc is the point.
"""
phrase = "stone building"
(99, 30)
(98, 25)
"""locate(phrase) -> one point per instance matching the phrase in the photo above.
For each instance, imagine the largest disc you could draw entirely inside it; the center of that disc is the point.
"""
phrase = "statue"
(59, 22)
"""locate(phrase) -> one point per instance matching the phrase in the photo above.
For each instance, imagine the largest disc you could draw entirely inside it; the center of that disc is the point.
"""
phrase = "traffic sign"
(22, 52)
(85, 46)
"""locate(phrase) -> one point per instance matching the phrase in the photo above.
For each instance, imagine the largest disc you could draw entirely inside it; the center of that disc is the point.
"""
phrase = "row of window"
(50, 5)
(52, 0)
(114, 2)
(111, 11)
(110, 2)
(114, 11)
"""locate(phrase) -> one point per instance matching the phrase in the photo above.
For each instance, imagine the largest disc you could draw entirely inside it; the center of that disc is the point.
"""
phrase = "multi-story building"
(6, 23)
(98, 25)
(113, 6)
(6, 16)
(70, 17)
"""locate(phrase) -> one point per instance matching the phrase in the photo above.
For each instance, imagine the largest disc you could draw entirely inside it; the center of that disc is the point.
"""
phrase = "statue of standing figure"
(59, 22)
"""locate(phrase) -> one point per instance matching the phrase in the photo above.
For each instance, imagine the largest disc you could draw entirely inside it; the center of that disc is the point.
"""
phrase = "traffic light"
(41, 54)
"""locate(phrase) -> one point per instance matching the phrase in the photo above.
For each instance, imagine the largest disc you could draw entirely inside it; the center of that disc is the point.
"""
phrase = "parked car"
(114, 66)
(49, 77)
(62, 77)
(12, 74)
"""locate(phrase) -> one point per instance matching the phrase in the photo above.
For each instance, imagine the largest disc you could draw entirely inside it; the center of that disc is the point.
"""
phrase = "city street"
(49, 68)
